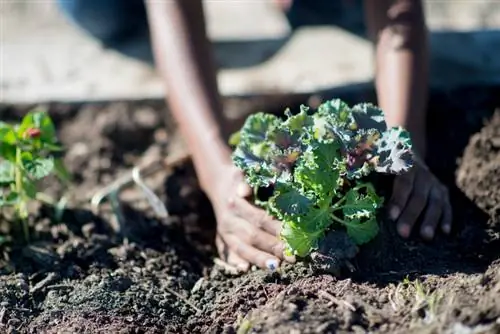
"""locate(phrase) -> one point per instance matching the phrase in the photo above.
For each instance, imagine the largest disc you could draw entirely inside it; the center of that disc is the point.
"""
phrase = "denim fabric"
(122, 24)
(118, 24)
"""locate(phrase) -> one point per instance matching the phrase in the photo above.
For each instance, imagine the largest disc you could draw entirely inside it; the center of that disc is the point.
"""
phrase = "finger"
(414, 207)
(260, 239)
(258, 217)
(401, 192)
(229, 256)
(432, 214)
(236, 260)
(251, 254)
(243, 190)
(447, 216)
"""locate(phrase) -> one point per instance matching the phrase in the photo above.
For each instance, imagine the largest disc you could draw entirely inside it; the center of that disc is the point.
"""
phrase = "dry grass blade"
(335, 300)
(183, 299)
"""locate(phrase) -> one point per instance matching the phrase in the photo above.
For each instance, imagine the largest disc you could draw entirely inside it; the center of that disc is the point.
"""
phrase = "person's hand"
(419, 194)
(246, 234)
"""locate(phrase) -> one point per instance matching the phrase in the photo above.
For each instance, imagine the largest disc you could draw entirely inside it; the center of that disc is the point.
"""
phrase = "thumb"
(243, 190)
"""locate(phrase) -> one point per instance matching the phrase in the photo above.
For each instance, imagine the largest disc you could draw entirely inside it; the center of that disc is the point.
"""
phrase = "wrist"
(211, 156)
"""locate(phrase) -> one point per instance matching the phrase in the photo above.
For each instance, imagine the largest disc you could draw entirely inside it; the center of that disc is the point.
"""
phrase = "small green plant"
(317, 164)
(28, 153)
(424, 302)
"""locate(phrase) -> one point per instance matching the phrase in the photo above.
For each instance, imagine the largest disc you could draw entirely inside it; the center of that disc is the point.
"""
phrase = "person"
(173, 33)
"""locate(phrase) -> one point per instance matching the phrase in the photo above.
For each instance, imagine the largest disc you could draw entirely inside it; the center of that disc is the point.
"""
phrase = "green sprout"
(29, 152)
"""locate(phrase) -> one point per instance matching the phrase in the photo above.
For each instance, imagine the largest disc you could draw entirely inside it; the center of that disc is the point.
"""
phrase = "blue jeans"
(122, 24)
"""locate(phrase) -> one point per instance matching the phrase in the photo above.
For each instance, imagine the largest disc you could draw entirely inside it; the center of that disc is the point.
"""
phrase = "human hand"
(246, 234)
(420, 194)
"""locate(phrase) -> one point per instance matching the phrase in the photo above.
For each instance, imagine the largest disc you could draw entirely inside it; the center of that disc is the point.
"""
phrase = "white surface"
(43, 57)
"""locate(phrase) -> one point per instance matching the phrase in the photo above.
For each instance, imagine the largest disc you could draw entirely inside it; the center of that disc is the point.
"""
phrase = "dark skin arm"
(398, 30)
(246, 235)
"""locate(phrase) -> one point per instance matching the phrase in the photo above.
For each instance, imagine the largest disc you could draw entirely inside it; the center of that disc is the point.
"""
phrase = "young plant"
(317, 165)
(28, 153)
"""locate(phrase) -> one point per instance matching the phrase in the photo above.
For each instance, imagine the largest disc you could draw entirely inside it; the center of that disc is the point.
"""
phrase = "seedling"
(28, 153)
(316, 165)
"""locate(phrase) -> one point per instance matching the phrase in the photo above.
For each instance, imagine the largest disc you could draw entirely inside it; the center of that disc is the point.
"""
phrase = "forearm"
(184, 58)
(400, 35)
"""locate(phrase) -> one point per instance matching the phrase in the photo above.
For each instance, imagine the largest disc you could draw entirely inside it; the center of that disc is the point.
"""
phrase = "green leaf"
(362, 232)
(7, 134)
(318, 170)
(12, 198)
(6, 175)
(303, 223)
(8, 152)
(393, 154)
(257, 169)
(259, 157)
(298, 242)
(302, 232)
(288, 201)
(235, 138)
(298, 122)
(61, 171)
(360, 208)
(257, 126)
(7, 142)
(361, 205)
(37, 168)
(368, 116)
(29, 188)
(40, 120)
(52, 147)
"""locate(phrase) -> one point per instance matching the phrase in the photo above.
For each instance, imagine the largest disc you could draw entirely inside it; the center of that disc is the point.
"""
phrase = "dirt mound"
(480, 168)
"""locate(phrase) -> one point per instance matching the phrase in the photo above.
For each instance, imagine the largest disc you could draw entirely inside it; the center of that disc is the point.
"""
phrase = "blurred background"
(44, 57)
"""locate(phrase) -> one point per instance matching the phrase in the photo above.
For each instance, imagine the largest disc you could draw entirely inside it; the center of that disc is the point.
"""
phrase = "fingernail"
(428, 232)
(394, 212)
(243, 267)
(404, 230)
(272, 264)
(242, 190)
(290, 259)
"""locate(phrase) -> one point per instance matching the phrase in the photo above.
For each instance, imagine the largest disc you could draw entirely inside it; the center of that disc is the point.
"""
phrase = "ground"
(84, 274)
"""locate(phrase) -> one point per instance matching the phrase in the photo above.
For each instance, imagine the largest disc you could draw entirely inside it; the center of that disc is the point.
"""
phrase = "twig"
(51, 277)
(60, 287)
(2, 314)
(336, 301)
(182, 298)
(127, 179)
(265, 292)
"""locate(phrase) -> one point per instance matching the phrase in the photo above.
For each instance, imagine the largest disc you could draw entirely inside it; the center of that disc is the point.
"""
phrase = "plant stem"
(336, 205)
(338, 220)
(21, 206)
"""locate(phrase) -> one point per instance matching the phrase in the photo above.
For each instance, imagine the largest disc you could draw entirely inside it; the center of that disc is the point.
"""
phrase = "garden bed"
(81, 276)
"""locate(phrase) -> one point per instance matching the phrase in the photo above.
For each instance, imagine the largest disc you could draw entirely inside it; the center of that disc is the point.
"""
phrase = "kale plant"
(317, 164)
(28, 153)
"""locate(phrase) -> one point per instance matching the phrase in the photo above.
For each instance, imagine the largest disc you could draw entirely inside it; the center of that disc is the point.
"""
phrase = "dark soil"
(85, 274)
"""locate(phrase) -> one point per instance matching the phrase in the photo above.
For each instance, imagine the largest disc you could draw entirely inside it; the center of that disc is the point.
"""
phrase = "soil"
(84, 273)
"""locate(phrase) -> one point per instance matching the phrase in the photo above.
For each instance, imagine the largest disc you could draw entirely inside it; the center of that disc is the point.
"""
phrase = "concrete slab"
(43, 57)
